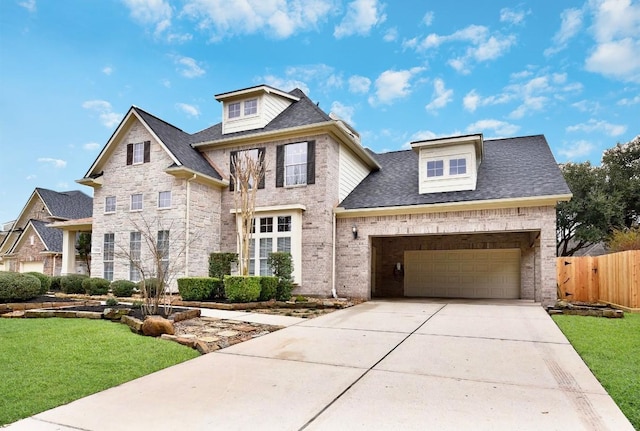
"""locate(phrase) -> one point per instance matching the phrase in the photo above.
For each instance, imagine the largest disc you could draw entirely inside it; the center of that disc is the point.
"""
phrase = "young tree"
(247, 172)
(83, 247)
(590, 215)
(158, 260)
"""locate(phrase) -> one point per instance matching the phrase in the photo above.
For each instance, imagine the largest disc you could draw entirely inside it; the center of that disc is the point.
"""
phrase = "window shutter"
(129, 154)
(232, 170)
(311, 162)
(280, 166)
(261, 158)
(147, 151)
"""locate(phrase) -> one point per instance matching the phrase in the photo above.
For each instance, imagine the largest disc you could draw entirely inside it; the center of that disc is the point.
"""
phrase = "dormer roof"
(254, 91)
(476, 139)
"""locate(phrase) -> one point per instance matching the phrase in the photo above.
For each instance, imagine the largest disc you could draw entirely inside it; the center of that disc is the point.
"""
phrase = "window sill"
(136, 211)
(295, 186)
(109, 212)
(163, 208)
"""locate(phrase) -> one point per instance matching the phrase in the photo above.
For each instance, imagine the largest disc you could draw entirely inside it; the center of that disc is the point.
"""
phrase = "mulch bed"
(43, 298)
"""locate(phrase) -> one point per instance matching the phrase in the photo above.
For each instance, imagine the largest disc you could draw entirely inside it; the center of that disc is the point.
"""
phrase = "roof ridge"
(516, 137)
(158, 118)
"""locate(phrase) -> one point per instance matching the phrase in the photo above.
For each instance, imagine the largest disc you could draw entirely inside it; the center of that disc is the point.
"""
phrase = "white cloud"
(31, 177)
(500, 128)
(471, 101)
(571, 23)
(586, 106)
(512, 16)
(344, 112)
(188, 67)
(428, 18)
(277, 19)
(190, 110)
(29, 5)
(598, 126)
(616, 30)
(62, 185)
(425, 135)
(361, 16)
(107, 70)
(576, 150)
(359, 84)
(56, 163)
(441, 96)
(390, 35)
(393, 84)
(91, 146)
(157, 13)
(629, 102)
(323, 77)
(166, 83)
(285, 84)
(105, 112)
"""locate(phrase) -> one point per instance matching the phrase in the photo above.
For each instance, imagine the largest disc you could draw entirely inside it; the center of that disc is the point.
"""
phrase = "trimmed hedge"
(197, 288)
(45, 281)
(122, 288)
(55, 283)
(72, 283)
(18, 287)
(240, 288)
(281, 265)
(268, 288)
(96, 286)
(219, 266)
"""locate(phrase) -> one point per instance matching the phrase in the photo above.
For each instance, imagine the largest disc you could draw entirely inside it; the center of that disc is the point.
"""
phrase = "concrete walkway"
(403, 365)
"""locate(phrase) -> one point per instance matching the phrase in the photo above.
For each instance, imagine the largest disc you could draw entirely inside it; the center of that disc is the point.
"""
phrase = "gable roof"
(301, 113)
(512, 168)
(67, 205)
(51, 237)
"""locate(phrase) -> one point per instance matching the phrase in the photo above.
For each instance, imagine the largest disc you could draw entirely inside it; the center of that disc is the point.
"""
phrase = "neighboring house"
(30, 244)
(453, 217)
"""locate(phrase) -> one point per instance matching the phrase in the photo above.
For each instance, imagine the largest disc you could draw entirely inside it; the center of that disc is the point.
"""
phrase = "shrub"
(268, 288)
(136, 305)
(219, 266)
(18, 287)
(196, 288)
(45, 281)
(240, 288)
(281, 265)
(623, 240)
(151, 284)
(111, 302)
(55, 283)
(72, 283)
(96, 286)
(122, 288)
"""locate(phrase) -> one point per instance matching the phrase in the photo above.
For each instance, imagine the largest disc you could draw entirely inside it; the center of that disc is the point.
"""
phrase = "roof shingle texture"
(512, 168)
(68, 205)
(51, 236)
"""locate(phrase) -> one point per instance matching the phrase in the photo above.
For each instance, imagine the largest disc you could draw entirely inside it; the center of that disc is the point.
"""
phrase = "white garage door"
(32, 266)
(462, 273)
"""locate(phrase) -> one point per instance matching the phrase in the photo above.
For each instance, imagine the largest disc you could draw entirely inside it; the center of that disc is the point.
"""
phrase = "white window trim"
(133, 156)
(446, 160)
(284, 167)
(242, 109)
(115, 204)
(170, 200)
(131, 209)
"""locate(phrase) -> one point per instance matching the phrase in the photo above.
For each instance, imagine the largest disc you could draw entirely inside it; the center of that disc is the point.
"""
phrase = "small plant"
(300, 298)
(55, 283)
(95, 286)
(242, 288)
(45, 281)
(136, 305)
(72, 283)
(122, 288)
(18, 287)
(111, 302)
(623, 240)
(196, 288)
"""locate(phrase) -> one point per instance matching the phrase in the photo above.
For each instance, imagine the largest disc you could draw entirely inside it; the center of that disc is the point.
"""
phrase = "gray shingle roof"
(68, 205)
(52, 237)
(512, 168)
(300, 113)
(178, 142)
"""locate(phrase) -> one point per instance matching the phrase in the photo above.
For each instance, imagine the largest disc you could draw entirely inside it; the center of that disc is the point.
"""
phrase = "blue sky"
(398, 71)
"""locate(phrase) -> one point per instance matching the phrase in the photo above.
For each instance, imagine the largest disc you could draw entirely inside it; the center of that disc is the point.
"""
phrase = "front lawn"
(46, 363)
(611, 349)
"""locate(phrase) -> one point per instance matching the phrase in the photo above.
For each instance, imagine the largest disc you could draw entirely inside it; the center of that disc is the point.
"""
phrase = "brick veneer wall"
(319, 200)
(353, 268)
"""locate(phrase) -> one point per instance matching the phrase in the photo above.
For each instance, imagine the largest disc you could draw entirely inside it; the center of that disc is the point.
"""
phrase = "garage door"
(32, 266)
(462, 273)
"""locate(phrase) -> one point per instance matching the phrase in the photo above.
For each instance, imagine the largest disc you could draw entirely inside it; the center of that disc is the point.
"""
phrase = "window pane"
(266, 224)
(284, 224)
(234, 110)
(284, 244)
(295, 164)
(435, 168)
(110, 204)
(252, 257)
(136, 202)
(251, 107)
(138, 152)
(108, 271)
(457, 166)
(266, 247)
(164, 199)
(108, 246)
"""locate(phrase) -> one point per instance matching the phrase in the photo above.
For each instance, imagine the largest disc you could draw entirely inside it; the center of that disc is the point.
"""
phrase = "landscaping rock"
(154, 326)
(202, 347)
(115, 313)
(134, 324)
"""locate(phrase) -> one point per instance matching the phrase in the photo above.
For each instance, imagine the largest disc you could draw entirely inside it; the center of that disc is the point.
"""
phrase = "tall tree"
(621, 165)
(591, 214)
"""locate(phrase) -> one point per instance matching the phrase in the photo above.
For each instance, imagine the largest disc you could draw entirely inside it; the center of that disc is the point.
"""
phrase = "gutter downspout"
(187, 225)
(334, 293)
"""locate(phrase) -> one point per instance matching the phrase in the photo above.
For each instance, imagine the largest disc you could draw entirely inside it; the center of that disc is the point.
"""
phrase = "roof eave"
(184, 172)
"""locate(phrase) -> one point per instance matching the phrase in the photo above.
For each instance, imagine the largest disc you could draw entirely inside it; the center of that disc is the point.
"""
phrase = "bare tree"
(158, 262)
(247, 171)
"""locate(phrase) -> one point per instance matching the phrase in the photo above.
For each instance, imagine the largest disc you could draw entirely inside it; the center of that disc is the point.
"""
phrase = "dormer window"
(234, 110)
(457, 166)
(244, 108)
(250, 107)
(435, 168)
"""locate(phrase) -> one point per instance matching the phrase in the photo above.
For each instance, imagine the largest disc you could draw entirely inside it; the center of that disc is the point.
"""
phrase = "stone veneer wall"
(353, 268)
(319, 200)
(204, 227)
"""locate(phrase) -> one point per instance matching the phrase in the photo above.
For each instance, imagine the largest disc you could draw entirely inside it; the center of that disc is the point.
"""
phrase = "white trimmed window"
(136, 202)
(110, 204)
(108, 247)
(163, 250)
(273, 234)
(138, 153)
(295, 164)
(435, 168)
(250, 107)
(164, 199)
(457, 166)
(233, 110)
(135, 254)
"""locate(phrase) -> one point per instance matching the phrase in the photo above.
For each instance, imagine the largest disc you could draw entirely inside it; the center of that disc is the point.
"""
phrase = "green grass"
(611, 349)
(46, 363)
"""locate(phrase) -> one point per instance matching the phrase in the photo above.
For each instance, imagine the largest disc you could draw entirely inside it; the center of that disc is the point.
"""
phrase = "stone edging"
(241, 306)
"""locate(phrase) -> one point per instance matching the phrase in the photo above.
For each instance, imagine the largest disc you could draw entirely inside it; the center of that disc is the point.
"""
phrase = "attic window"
(234, 110)
(457, 166)
(139, 152)
(435, 168)
(250, 107)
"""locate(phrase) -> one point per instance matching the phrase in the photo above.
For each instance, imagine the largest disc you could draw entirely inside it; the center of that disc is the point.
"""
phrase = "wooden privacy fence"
(611, 278)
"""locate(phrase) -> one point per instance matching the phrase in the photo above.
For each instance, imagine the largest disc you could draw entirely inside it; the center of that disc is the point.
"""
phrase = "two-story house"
(458, 217)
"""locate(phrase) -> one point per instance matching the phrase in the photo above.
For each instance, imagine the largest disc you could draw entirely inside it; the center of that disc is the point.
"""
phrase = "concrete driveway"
(420, 364)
